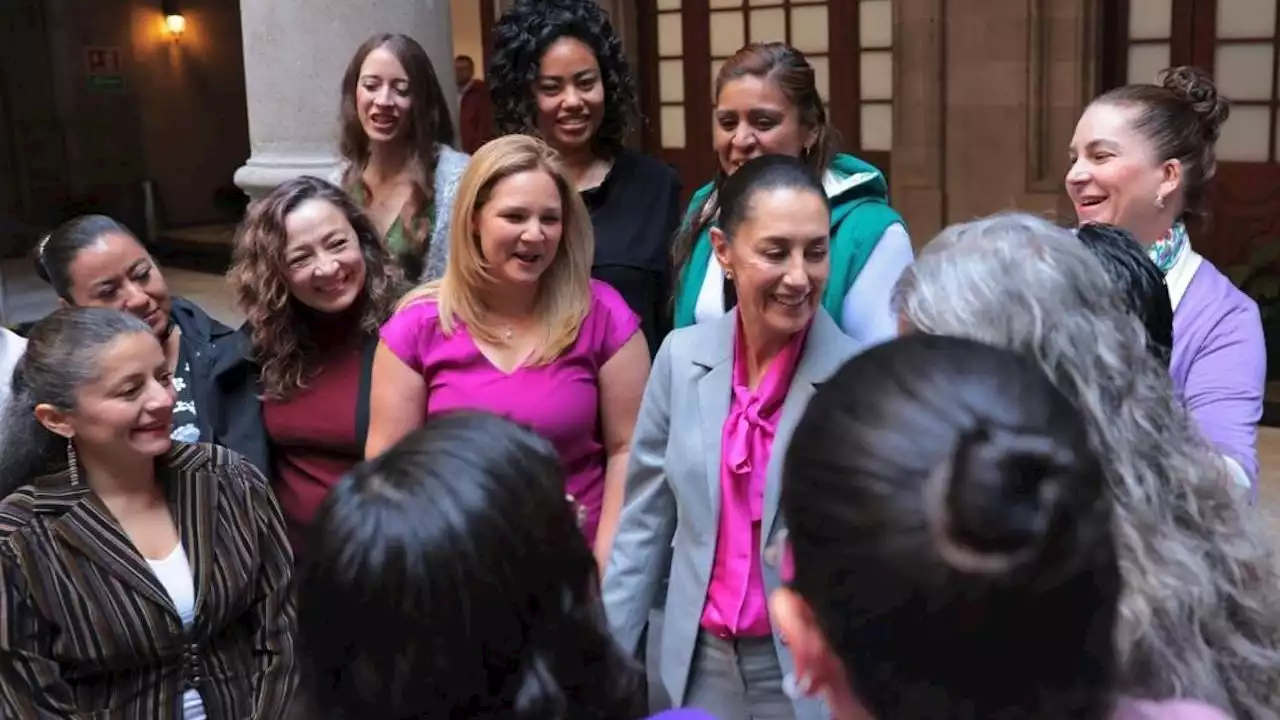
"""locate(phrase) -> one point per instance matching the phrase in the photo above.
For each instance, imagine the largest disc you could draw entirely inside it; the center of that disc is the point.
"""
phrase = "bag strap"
(368, 347)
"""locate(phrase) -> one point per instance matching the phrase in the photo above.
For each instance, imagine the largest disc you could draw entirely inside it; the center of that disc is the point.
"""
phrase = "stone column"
(295, 52)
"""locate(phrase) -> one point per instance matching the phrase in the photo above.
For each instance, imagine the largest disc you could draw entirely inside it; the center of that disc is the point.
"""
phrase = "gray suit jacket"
(673, 488)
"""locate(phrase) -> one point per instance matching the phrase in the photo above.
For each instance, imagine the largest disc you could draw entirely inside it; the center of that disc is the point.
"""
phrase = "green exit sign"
(106, 83)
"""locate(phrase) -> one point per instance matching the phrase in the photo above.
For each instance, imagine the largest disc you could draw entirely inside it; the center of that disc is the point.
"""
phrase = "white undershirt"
(174, 573)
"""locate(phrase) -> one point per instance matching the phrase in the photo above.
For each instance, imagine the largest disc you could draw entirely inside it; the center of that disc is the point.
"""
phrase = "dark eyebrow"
(789, 240)
(580, 75)
(1094, 144)
(127, 380)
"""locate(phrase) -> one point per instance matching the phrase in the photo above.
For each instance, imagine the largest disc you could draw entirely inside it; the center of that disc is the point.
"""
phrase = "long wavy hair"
(430, 126)
(564, 290)
(790, 70)
(521, 37)
(259, 276)
(1198, 616)
(447, 578)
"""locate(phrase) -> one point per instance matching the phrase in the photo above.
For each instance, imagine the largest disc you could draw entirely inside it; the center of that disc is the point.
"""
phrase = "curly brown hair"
(430, 126)
(259, 276)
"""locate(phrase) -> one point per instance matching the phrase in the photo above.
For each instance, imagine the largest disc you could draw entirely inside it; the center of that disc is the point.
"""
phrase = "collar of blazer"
(78, 518)
(710, 347)
(825, 349)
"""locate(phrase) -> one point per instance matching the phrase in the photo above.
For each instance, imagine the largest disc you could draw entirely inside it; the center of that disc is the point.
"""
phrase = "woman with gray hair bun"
(1197, 617)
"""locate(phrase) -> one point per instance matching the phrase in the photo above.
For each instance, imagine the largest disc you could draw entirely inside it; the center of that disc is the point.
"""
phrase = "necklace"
(508, 332)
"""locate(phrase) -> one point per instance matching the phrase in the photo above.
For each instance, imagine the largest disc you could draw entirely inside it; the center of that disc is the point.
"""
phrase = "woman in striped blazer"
(140, 578)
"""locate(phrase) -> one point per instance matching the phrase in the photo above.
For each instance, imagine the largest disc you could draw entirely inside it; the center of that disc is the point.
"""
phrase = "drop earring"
(1159, 202)
(73, 464)
(728, 274)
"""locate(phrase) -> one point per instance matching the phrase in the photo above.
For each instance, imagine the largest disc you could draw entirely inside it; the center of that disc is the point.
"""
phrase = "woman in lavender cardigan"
(1142, 157)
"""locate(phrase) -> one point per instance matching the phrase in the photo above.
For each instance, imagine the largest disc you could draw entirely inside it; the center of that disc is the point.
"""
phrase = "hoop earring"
(73, 463)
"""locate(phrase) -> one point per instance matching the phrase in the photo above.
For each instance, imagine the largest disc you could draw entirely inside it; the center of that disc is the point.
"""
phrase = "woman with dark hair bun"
(950, 553)
(702, 486)
(94, 261)
(559, 72)
(398, 162)
(1142, 158)
(447, 578)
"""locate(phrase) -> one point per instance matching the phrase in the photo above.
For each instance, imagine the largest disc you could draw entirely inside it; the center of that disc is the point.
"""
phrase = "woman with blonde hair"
(517, 326)
(1201, 586)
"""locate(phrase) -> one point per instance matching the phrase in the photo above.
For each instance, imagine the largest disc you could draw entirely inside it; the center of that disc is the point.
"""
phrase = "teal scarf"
(1166, 251)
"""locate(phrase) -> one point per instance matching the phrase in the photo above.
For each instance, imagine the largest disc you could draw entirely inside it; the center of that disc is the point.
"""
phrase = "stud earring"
(73, 463)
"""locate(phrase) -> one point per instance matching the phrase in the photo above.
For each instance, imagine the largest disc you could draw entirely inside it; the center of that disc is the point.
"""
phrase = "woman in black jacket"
(93, 260)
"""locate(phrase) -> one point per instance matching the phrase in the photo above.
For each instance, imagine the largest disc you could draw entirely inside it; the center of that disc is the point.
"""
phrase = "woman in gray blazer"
(704, 476)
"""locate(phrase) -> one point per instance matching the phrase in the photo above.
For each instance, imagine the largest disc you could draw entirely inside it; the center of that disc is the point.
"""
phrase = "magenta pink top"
(560, 400)
(737, 605)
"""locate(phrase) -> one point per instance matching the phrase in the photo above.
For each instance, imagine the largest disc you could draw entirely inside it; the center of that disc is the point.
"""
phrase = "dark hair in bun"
(944, 504)
(767, 172)
(1182, 117)
(58, 249)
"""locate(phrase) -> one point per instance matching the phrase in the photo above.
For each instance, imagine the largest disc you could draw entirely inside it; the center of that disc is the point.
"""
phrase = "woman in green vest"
(767, 103)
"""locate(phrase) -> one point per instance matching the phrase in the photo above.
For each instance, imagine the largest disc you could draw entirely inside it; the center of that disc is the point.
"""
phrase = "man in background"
(475, 121)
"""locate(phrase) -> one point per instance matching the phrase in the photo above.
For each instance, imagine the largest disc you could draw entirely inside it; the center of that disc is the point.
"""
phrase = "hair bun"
(1198, 91)
(995, 500)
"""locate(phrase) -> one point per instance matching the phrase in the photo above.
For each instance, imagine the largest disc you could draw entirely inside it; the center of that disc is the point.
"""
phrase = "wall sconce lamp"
(174, 21)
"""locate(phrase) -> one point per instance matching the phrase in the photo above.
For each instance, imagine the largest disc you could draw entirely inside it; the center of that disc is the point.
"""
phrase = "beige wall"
(468, 39)
(987, 101)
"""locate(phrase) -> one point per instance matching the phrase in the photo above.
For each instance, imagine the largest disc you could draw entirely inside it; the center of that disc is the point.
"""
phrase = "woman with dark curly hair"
(315, 283)
(398, 163)
(559, 72)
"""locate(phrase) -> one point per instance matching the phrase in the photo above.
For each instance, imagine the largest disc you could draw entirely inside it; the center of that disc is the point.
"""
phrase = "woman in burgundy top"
(315, 283)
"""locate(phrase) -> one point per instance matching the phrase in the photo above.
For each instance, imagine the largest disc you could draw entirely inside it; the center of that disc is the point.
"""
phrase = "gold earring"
(73, 463)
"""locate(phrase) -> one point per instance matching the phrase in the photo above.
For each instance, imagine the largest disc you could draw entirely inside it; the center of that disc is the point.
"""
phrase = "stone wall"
(988, 93)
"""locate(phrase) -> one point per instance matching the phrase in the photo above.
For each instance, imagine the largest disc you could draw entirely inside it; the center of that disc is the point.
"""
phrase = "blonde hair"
(564, 290)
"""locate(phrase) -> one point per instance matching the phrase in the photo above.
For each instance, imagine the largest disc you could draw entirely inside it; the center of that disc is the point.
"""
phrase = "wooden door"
(1237, 42)
(33, 161)
(683, 43)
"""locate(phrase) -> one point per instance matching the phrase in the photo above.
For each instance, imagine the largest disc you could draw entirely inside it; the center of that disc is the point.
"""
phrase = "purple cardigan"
(1219, 364)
